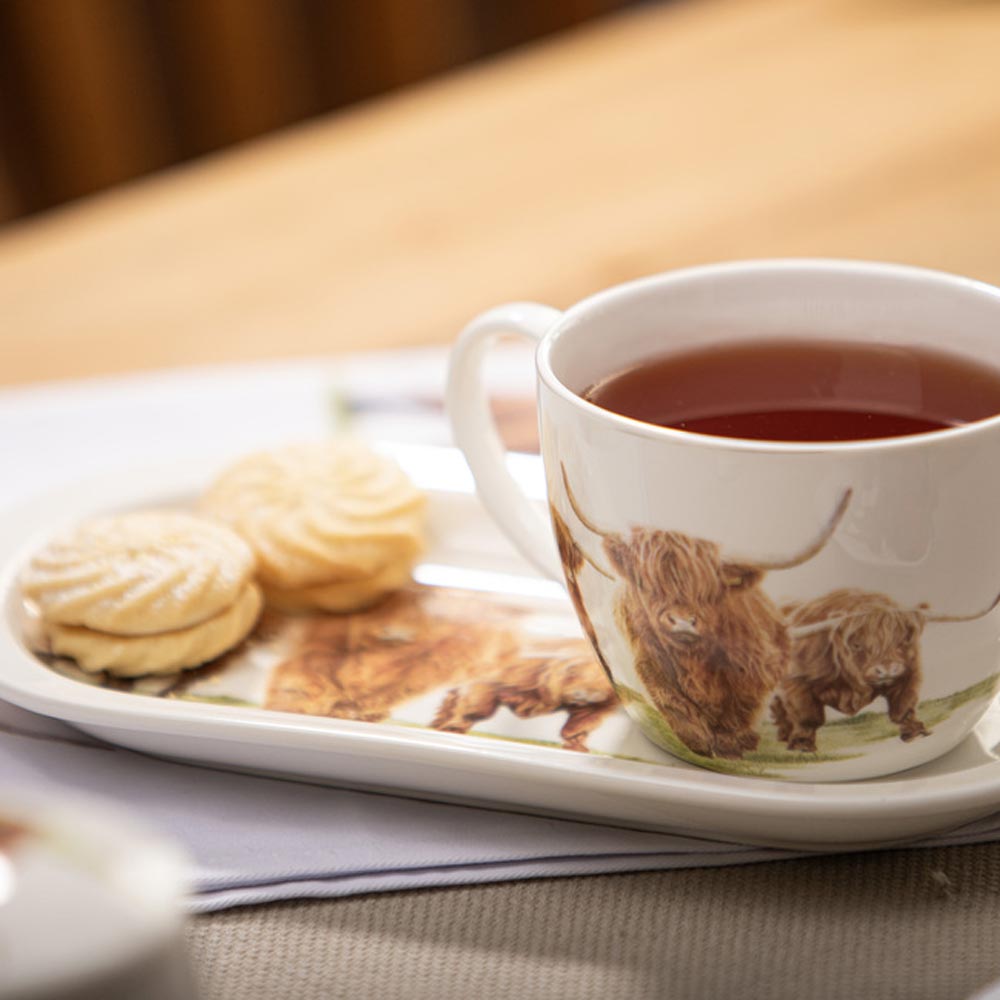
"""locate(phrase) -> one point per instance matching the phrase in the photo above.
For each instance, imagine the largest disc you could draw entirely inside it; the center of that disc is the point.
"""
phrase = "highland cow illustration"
(849, 648)
(709, 644)
(361, 666)
(529, 689)
(573, 559)
(366, 665)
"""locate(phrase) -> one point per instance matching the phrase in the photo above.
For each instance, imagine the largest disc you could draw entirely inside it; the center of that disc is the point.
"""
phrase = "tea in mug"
(803, 390)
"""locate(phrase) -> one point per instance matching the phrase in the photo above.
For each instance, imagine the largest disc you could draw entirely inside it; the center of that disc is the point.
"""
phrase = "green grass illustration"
(839, 739)
(836, 739)
(213, 699)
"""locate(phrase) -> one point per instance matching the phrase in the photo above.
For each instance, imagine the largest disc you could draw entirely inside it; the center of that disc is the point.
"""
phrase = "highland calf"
(849, 648)
(577, 686)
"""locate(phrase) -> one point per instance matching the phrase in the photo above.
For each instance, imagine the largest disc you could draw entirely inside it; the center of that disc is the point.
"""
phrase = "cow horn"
(816, 546)
(803, 631)
(587, 524)
(960, 618)
(581, 517)
(593, 565)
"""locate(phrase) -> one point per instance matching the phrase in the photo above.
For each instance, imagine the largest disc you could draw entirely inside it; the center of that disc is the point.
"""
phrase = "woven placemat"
(908, 924)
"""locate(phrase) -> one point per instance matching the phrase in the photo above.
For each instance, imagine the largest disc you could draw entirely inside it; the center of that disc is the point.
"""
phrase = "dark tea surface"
(803, 390)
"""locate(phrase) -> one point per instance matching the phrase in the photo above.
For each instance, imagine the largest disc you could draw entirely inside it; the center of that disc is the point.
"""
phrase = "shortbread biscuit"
(323, 514)
(346, 595)
(140, 573)
(164, 653)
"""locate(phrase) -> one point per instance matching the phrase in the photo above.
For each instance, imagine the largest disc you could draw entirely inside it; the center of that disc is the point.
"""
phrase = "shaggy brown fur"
(708, 644)
(869, 647)
(360, 666)
(872, 649)
(541, 687)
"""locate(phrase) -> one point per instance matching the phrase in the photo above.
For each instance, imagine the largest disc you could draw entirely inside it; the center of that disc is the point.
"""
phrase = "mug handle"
(475, 432)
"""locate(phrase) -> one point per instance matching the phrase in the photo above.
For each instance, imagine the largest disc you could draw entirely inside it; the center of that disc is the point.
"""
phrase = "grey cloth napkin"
(254, 839)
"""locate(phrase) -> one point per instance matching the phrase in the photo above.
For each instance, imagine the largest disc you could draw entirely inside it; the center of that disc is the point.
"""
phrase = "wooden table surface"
(671, 135)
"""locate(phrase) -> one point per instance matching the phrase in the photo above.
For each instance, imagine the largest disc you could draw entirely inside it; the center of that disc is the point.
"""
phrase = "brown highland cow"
(709, 644)
(363, 666)
(849, 648)
(578, 687)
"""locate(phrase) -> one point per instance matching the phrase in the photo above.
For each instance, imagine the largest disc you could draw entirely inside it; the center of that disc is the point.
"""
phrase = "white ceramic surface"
(990, 992)
(90, 905)
(661, 794)
(919, 531)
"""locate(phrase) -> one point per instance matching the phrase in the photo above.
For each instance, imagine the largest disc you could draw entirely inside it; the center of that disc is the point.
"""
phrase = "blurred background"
(212, 181)
(94, 93)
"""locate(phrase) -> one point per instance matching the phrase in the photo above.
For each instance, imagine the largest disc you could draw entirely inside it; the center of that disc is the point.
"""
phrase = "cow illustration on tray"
(540, 686)
(713, 650)
(471, 656)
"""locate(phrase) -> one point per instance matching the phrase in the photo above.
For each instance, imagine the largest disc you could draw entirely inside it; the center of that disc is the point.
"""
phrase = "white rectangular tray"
(623, 780)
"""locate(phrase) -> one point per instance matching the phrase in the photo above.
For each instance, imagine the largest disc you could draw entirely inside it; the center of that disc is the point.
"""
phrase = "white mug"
(812, 611)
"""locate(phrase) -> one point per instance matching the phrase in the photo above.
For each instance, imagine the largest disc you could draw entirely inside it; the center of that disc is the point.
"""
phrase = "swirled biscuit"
(139, 573)
(345, 595)
(165, 652)
(322, 517)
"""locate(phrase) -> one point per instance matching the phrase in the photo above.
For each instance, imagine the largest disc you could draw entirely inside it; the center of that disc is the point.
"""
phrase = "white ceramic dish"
(657, 792)
(90, 904)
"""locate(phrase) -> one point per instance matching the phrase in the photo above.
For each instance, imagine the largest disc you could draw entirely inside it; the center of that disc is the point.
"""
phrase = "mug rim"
(635, 427)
